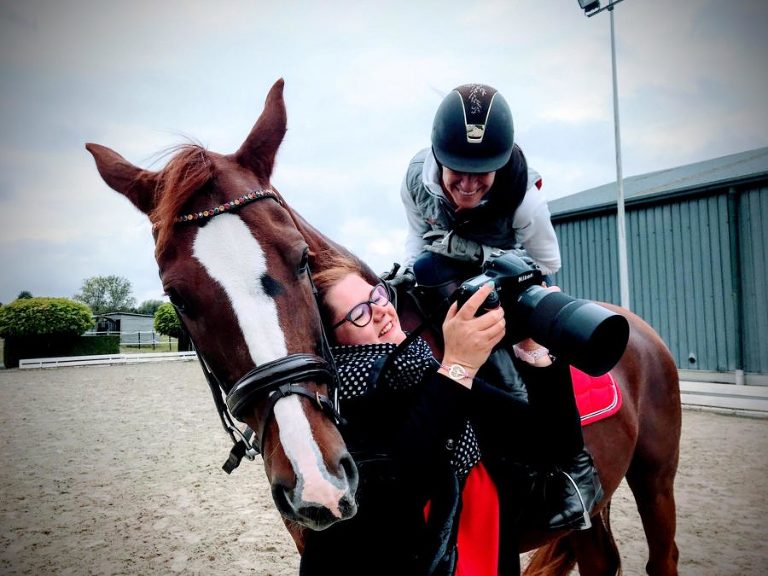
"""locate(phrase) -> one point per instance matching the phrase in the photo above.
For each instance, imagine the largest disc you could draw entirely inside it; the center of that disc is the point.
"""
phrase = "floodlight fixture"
(589, 5)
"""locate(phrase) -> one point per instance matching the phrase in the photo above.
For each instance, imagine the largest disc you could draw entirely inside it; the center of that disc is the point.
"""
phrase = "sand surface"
(116, 470)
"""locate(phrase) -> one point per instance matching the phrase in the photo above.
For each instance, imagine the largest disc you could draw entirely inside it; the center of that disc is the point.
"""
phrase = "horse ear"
(132, 182)
(258, 151)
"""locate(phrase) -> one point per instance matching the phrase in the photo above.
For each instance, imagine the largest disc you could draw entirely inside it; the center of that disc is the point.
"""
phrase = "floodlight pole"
(620, 215)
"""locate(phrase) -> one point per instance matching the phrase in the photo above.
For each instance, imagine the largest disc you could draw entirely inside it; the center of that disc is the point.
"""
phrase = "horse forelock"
(189, 170)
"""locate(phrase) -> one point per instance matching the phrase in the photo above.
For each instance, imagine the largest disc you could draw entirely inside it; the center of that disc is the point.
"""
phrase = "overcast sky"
(362, 82)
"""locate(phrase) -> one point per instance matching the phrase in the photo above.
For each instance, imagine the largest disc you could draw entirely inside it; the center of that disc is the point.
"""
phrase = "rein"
(275, 379)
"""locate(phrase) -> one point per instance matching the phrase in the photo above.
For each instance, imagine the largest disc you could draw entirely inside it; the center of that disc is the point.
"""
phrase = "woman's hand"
(469, 340)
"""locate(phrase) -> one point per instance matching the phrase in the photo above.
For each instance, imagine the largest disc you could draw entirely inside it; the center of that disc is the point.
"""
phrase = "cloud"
(380, 246)
(362, 83)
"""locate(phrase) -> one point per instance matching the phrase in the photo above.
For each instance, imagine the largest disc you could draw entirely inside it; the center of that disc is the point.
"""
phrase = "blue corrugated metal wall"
(683, 280)
(754, 274)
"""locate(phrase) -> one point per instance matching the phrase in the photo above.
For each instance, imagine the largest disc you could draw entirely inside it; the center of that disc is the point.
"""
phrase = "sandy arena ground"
(116, 470)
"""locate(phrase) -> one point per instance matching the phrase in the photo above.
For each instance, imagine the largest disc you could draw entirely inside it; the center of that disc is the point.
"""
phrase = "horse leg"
(651, 473)
(595, 549)
(653, 490)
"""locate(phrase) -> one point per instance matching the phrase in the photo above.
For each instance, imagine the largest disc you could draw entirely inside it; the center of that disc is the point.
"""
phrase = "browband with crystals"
(227, 206)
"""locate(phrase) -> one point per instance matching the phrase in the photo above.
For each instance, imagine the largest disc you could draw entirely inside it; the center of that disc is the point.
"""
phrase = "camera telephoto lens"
(581, 333)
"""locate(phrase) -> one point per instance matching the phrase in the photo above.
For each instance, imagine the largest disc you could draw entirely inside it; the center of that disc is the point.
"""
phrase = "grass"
(167, 345)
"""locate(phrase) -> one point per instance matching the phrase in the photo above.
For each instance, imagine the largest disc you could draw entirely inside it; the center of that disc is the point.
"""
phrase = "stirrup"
(585, 522)
(579, 519)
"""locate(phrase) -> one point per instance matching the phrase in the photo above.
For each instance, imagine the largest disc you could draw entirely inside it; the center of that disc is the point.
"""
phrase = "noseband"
(272, 380)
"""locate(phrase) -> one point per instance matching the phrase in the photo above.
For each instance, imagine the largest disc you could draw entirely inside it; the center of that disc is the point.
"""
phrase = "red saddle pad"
(597, 397)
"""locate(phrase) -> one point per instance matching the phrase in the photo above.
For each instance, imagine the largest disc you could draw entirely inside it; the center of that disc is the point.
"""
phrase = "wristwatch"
(456, 372)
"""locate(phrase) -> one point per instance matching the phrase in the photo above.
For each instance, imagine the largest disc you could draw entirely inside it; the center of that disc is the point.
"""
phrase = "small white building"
(133, 328)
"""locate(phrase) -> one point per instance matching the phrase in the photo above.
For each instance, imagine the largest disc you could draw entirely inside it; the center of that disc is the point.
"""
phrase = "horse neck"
(319, 242)
(409, 313)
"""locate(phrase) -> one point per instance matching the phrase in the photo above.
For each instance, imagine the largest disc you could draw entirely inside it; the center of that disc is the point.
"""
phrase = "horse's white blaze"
(233, 257)
(314, 484)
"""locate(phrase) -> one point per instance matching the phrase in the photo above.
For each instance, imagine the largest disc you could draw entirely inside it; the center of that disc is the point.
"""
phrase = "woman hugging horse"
(437, 446)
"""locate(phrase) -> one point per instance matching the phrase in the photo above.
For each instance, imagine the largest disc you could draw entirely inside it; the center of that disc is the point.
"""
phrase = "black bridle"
(272, 380)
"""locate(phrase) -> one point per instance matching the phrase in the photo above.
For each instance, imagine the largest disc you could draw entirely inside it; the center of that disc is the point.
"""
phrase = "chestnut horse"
(236, 262)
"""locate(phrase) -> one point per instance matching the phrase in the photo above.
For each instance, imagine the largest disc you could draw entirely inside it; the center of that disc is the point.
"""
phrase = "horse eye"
(176, 300)
(304, 262)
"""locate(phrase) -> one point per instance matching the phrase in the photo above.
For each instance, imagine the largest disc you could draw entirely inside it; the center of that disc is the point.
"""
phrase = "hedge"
(44, 316)
(44, 327)
(21, 347)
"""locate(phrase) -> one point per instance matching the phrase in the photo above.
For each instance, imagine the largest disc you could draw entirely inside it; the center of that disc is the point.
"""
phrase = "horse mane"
(189, 170)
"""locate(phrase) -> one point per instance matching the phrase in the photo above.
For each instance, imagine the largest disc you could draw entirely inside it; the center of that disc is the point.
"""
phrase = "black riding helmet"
(473, 130)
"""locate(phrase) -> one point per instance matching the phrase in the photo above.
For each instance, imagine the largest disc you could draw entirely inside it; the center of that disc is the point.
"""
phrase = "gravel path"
(116, 470)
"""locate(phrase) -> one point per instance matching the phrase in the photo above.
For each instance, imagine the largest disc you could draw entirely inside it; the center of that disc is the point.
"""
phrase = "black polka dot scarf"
(358, 364)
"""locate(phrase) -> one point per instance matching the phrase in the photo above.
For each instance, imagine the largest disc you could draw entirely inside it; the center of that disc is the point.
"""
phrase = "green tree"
(107, 294)
(44, 317)
(24, 294)
(149, 307)
(167, 322)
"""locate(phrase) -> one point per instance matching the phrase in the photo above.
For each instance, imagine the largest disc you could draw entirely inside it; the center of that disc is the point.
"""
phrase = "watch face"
(457, 372)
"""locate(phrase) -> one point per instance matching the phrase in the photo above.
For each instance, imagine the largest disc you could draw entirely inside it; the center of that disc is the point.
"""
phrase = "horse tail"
(597, 544)
(554, 559)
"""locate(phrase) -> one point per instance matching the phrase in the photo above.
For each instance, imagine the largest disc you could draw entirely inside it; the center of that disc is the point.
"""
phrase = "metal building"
(133, 328)
(697, 246)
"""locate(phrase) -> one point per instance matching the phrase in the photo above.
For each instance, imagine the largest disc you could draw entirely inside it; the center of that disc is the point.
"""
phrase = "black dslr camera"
(582, 333)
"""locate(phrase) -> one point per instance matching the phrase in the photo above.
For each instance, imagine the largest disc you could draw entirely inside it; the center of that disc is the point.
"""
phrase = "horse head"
(233, 260)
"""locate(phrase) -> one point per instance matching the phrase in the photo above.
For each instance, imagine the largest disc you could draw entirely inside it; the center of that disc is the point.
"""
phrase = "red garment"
(478, 541)
(478, 537)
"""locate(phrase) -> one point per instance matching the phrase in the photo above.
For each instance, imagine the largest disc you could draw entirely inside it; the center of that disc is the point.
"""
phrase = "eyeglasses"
(361, 314)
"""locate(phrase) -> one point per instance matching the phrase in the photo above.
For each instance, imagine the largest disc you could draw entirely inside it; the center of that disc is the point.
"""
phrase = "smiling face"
(347, 293)
(464, 189)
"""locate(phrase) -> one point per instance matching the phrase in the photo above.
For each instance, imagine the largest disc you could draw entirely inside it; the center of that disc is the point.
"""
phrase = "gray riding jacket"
(427, 208)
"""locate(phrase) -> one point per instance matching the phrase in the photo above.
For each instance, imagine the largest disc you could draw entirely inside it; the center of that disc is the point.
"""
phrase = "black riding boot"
(571, 493)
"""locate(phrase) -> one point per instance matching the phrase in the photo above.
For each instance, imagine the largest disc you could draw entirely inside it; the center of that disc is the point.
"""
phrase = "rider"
(471, 194)
(473, 191)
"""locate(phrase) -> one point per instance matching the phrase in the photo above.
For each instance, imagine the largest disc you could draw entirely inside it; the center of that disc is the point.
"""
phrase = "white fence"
(104, 359)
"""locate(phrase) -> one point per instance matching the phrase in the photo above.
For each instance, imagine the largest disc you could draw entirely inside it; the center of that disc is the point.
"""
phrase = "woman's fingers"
(472, 305)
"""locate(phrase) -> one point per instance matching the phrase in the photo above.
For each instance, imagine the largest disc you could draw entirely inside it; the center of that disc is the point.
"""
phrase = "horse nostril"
(349, 467)
(281, 494)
